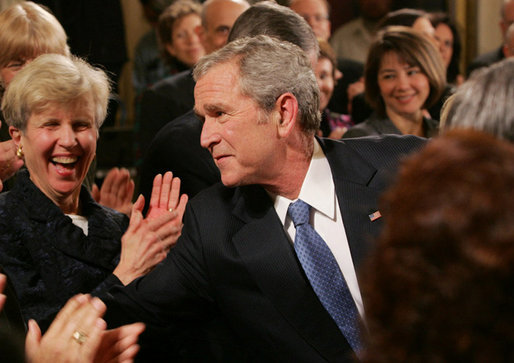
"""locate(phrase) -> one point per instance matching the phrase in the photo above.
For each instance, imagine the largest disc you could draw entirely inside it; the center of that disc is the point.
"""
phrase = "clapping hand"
(9, 162)
(116, 192)
(148, 240)
(78, 334)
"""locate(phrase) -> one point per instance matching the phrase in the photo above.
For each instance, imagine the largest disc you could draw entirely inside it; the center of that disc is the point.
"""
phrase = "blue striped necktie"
(324, 274)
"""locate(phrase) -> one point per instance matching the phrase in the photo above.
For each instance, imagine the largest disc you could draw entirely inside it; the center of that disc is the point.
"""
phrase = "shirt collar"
(317, 189)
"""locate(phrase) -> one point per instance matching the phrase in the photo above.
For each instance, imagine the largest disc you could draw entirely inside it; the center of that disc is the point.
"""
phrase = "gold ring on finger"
(79, 336)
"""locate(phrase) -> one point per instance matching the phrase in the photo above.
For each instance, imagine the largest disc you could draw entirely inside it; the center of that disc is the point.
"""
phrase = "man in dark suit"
(496, 55)
(173, 96)
(258, 100)
(177, 145)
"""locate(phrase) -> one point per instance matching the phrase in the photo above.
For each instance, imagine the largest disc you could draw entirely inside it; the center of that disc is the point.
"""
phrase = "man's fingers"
(156, 191)
(167, 182)
(181, 207)
(174, 193)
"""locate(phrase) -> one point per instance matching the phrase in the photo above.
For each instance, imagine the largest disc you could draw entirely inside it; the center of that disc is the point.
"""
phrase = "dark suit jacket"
(177, 148)
(486, 59)
(235, 261)
(164, 101)
(383, 126)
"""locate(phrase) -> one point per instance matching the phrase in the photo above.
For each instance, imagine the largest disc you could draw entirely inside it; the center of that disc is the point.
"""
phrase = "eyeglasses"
(316, 18)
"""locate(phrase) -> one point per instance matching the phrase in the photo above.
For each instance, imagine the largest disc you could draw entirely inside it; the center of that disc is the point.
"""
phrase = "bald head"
(316, 13)
(218, 16)
(507, 16)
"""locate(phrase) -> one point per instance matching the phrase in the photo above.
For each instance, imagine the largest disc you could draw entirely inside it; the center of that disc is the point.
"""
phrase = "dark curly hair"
(439, 286)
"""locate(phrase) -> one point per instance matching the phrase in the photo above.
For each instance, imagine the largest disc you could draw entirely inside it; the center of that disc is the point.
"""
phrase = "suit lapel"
(271, 260)
(357, 186)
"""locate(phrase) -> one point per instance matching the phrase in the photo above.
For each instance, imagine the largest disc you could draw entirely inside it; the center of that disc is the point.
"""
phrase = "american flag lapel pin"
(374, 216)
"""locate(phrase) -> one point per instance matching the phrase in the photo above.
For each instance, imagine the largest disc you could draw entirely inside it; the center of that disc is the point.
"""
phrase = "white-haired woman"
(55, 240)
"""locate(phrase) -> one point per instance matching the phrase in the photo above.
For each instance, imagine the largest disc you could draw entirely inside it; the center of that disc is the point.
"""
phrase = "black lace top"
(47, 257)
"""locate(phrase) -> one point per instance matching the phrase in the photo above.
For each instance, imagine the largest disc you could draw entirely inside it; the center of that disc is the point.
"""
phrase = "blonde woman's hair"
(55, 79)
(28, 30)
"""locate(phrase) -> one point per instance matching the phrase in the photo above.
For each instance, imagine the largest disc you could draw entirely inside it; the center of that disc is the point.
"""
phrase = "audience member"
(484, 102)
(268, 18)
(404, 75)
(316, 13)
(352, 40)
(437, 288)
(42, 33)
(236, 258)
(26, 31)
(178, 33)
(55, 241)
(177, 146)
(418, 20)
(448, 40)
(333, 125)
(413, 18)
(173, 96)
(508, 46)
(486, 59)
(64, 342)
(149, 67)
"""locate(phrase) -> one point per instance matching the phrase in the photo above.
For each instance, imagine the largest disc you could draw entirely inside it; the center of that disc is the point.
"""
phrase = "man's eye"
(223, 30)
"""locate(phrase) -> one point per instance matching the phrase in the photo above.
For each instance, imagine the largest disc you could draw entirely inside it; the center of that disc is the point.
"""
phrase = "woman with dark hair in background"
(418, 20)
(180, 44)
(447, 36)
(333, 125)
(404, 75)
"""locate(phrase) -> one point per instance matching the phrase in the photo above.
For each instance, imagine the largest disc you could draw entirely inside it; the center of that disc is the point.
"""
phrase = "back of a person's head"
(404, 17)
(438, 286)
(485, 102)
(28, 30)
(269, 18)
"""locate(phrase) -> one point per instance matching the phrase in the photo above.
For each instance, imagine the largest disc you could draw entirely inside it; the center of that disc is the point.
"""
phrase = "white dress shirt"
(318, 191)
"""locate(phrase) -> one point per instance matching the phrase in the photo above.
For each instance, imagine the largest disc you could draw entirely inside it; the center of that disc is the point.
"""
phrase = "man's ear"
(15, 135)
(287, 109)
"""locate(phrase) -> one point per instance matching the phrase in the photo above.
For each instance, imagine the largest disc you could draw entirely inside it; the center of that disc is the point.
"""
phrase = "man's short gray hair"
(484, 102)
(269, 68)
